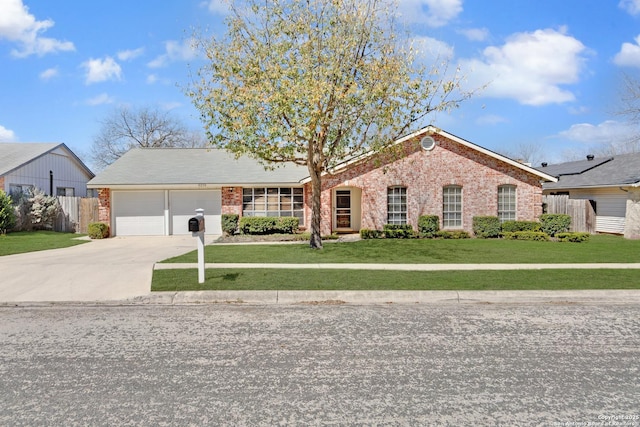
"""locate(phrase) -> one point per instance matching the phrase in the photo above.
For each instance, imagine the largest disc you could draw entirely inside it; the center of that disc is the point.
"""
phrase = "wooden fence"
(77, 213)
(583, 216)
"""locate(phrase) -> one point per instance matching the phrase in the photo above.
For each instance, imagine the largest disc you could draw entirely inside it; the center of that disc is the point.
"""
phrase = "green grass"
(31, 241)
(599, 249)
(291, 279)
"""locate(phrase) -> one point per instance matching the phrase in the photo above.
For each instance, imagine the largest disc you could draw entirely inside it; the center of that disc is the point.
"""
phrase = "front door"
(343, 209)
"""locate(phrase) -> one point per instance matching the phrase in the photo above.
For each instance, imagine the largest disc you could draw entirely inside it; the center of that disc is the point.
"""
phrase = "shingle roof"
(620, 170)
(175, 166)
(16, 154)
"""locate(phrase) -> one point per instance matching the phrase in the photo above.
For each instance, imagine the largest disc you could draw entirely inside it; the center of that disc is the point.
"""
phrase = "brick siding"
(232, 200)
(424, 174)
(104, 205)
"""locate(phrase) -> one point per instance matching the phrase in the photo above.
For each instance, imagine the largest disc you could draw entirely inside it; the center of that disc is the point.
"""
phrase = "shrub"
(98, 230)
(428, 225)
(486, 227)
(453, 234)
(36, 211)
(514, 226)
(398, 231)
(268, 225)
(230, 224)
(573, 237)
(7, 213)
(553, 224)
(366, 233)
(538, 236)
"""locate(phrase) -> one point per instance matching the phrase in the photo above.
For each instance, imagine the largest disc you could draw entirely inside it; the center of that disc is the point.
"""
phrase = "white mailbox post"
(197, 226)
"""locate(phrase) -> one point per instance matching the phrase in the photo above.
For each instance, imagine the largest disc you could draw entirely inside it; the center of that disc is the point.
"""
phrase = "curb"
(391, 297)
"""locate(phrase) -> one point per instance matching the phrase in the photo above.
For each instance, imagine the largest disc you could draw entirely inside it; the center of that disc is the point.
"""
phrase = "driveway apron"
(102, 270)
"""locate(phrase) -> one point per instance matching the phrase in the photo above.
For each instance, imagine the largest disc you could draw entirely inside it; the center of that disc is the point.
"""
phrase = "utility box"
(196, 224)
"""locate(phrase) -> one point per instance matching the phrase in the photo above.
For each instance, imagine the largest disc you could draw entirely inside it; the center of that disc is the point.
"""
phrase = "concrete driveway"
(101, 270)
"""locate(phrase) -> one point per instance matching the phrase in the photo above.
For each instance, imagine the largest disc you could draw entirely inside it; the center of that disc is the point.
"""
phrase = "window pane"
(452, 207)
(507, 206)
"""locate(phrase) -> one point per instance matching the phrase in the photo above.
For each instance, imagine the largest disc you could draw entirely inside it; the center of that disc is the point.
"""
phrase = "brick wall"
(232, 200)
(104, 205)
(424, 174)
(2, 184)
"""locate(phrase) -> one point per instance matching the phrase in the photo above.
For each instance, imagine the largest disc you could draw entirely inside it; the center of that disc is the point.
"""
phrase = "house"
(611, 183)
(430, 172)
(51, 167)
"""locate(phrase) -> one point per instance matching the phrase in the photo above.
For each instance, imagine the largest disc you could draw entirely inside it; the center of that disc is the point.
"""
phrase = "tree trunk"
(314, 163)
(316, 189)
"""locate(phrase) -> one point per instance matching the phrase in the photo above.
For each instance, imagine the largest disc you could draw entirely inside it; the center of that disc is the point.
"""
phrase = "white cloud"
(529, 67)
(475, 34)
(631, 6)
(606, 132)
(19, 26)
(7, 135)
(434, 13)
(101, 99)
(490, 120)
(432, 47)
(218, 6)
(175, 51)
(629, 54)
(127, 55)
(48, 74)
(100, 70)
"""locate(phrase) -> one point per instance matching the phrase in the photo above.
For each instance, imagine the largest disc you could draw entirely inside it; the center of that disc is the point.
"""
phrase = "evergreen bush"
(98, 230)
(230, 224)
(428, 225)
(553, 224)
(486, 227)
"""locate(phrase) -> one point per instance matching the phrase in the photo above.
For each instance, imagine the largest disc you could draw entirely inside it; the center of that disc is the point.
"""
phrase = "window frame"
(452, 206)
(397, 205)
(507, 211)
(273, 201)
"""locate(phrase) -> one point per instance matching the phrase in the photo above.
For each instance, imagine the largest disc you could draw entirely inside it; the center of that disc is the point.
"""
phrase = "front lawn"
(31, 241)
(360, 280)
(599, 249)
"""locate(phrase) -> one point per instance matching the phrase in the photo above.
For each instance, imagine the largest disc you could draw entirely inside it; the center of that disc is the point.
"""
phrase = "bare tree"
(630, 110)
(526, 152)
(126, 128)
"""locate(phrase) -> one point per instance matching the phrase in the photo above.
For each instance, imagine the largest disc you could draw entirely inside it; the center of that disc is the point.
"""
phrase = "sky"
(551, 70)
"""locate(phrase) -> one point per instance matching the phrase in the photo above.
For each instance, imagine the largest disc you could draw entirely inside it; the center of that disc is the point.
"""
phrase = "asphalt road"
(271, 365)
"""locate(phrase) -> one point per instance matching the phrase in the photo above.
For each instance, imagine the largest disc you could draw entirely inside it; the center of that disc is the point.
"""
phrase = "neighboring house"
(51, 167)
(612, 184)
(430, 172)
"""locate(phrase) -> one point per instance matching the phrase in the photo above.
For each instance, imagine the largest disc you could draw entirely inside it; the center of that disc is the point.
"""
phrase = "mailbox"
(196, 224)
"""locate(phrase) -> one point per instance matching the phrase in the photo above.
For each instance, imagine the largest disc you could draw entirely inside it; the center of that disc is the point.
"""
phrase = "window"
(507, 203)
(65, 191)
(20, 189)
(452, 207)
(397, 205)
(273, 202)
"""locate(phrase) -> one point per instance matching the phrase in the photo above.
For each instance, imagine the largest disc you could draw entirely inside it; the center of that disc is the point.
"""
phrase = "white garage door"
(183, 204)
(138, 213)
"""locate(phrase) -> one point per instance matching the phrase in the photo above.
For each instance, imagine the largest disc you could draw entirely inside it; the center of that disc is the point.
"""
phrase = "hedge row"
(268, 225)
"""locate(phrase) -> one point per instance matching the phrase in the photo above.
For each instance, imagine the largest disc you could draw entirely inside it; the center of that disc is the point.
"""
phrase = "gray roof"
(15, 154)
(180, 166)
(620, 170)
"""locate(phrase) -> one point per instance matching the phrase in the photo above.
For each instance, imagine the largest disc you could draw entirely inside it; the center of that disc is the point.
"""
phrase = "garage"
(183, 203)
(142, 213)
(138, 213)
